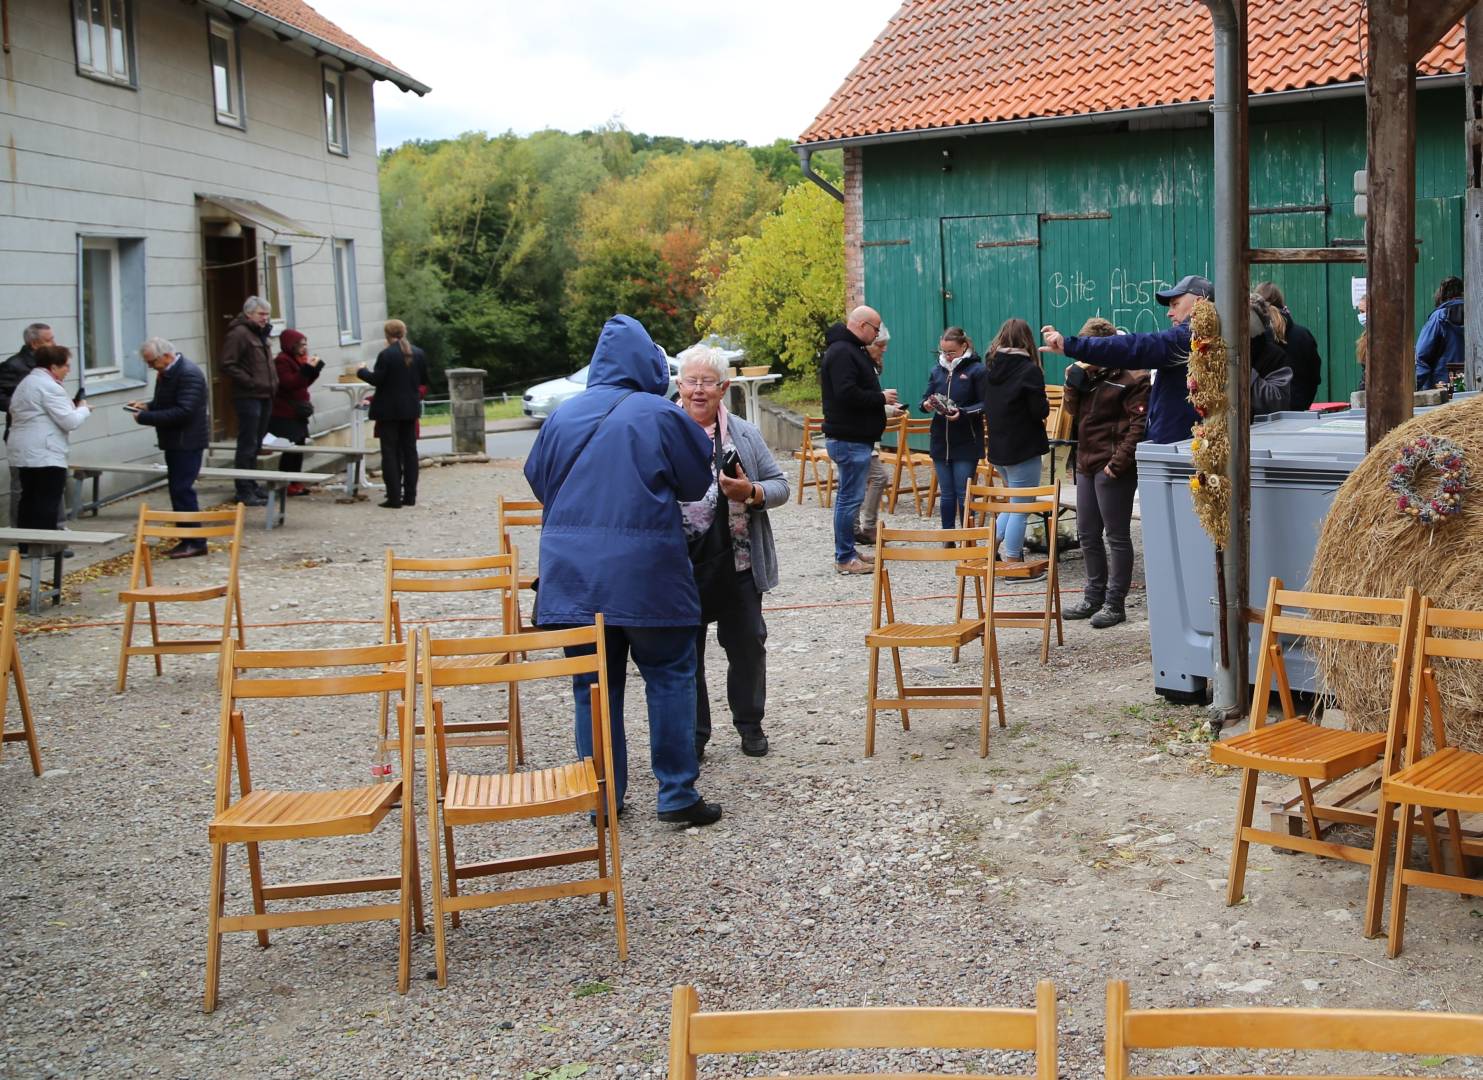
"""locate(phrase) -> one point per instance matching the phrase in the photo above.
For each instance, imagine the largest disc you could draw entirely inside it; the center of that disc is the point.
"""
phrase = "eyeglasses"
(700, 384)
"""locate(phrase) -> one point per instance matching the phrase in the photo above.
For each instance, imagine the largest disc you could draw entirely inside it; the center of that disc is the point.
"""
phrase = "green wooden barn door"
(990, 272)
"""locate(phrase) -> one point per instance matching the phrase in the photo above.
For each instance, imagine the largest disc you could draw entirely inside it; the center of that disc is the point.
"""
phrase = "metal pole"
(1231, 212)
(1472, 211)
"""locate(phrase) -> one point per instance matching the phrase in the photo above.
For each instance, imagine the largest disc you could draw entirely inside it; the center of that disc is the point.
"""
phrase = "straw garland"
(1367, 548)
(1211, 448)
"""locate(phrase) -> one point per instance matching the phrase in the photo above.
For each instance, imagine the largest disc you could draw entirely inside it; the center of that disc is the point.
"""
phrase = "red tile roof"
(300, 16)
(941, 63)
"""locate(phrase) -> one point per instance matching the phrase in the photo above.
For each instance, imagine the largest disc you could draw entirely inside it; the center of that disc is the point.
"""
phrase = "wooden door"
(231, 277)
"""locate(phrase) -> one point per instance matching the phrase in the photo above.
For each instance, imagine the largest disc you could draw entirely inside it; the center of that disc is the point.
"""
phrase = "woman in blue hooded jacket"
(957, 435)
(610, 467)
(1440, 342)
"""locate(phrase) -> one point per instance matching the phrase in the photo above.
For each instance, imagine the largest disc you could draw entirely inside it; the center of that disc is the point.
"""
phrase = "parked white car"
(540, 400)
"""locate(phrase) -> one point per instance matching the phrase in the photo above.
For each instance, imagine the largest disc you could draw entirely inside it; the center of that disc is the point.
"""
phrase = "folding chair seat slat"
(275, 815)
(1306, 749)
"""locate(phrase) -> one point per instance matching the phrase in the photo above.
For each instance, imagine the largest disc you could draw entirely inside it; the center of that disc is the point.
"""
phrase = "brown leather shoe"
(854, 566)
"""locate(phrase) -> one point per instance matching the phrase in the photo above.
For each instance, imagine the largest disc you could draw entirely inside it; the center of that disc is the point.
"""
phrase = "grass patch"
(587, 989)
(493, 410)
(1172, 723)
(799, 394)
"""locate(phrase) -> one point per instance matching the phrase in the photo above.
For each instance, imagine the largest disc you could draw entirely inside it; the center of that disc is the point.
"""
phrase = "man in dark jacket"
(177, 412)
(1165, 355)
(854, 418)
(11, 373)
(247, 361)
(611, 466)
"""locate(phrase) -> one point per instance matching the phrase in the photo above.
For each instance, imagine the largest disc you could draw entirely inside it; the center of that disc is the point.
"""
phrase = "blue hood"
(627, 356)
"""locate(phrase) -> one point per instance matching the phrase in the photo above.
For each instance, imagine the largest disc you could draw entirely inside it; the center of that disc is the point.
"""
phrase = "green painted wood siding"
(1055, 227)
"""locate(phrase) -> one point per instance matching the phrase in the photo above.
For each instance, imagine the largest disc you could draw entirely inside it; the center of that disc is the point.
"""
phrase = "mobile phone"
(132, 408)
(730, 462)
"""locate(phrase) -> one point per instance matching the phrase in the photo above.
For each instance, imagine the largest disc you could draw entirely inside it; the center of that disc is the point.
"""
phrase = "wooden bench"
(59, 539)
(276, 483)
(352, 457)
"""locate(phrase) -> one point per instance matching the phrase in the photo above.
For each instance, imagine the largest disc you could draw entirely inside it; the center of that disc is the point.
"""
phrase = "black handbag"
(302, 409)
(712, 560)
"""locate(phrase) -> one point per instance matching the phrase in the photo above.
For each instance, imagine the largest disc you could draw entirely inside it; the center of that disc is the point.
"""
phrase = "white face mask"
(1361, 316)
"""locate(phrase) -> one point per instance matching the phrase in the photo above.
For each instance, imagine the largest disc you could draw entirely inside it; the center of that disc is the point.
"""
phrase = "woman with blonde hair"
(400, 379)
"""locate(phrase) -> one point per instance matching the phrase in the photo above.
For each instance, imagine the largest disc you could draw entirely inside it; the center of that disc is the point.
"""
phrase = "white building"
(162, 161)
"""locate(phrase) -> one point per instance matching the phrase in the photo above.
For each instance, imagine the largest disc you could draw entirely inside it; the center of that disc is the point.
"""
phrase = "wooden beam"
(1431, 20)
(1390, 98)
(1308, 255)
(1472, 211)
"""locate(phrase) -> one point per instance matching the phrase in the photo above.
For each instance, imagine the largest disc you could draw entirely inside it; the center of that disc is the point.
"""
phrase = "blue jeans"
(852, 459)
(953, 478)
(665, 656)
(1011, 527)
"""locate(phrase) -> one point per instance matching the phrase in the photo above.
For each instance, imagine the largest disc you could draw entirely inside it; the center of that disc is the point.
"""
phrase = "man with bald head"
(854, 418)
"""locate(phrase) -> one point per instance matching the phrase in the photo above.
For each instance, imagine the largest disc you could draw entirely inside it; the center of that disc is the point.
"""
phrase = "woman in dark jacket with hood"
(958, 432)
(1015, 408)
(292, 408)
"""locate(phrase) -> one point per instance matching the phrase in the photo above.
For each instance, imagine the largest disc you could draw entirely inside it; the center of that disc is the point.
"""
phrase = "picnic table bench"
(276, 483)
(353, 457)
(58, 539)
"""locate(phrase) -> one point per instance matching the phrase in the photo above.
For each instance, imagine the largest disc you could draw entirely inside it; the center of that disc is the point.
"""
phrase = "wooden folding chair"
(457, 799)
(10, 666)
(902, 458)
(265, 815)
(813, 458)
(985, 504)
(1300, 748)
(169, 524)
(1375, 1031)
(494, 574)
(518, 513)
(1449, 779)
(887, 633)
(694, 1034)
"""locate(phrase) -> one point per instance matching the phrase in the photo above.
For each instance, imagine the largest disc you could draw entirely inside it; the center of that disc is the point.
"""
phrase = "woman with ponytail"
(400, 376)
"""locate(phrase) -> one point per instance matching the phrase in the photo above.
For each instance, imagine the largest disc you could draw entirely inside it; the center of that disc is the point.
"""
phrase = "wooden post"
(1472, 211)
(1390, 93)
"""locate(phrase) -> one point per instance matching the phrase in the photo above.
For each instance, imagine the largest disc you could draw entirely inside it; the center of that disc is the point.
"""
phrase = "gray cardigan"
(762, 469)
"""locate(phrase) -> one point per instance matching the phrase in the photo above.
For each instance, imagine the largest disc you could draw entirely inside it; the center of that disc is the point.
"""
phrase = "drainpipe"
(1231, 197)
(805, 158)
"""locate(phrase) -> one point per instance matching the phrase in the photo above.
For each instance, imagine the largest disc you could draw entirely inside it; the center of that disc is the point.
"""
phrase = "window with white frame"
(110, 299)
(347, 304)
(104, 36)
(336, 131)
(278, 284)
(226, 72)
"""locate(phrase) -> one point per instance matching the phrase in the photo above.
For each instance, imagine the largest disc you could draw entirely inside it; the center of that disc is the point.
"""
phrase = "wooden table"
(57, 539)
(276, 483)
(352, 456)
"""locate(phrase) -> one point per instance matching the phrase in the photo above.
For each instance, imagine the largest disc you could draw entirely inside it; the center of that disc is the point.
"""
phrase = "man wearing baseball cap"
(1165, 354)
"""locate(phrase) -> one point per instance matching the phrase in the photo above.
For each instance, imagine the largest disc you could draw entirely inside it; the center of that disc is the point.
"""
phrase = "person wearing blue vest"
(611, 466)
(1164, 354)
(1441, 338)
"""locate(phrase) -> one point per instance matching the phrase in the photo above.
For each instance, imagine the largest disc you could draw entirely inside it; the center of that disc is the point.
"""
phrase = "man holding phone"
(177, 412)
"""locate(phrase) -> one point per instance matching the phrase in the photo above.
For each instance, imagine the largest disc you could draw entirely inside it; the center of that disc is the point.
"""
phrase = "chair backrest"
(1377, 1031)
(693, 1033)
(504, 669)
(813, 428)
(984, 500)
(517, 513)
(472, 574)
(972, 547)
(245, 677)
(185, 525)
(1430, 646)
(1058, 420)
(1388, 623)
(10, 590)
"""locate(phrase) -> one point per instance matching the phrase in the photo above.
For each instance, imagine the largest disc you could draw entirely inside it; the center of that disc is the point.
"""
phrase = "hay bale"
(1367, 548)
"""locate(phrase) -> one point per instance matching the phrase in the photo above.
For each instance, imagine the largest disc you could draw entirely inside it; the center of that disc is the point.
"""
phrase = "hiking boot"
(1110, 615)
(697, 813)
(754, 744)
(253, 500)
(1082, 609)
(864, 536)
(854, 566)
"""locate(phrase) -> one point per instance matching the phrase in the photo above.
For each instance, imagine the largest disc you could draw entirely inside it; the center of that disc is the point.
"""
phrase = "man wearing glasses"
(854, 418)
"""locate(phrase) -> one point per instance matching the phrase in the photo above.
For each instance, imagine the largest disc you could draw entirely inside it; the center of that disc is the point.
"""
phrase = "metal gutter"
(805, 158)
(288, 31)
(1038, 123)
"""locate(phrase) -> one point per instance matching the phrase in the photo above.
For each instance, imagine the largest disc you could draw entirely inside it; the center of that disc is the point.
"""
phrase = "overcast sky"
(756, 71)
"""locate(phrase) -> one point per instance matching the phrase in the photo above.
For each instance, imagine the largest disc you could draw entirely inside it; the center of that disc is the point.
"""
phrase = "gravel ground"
(1090, 845)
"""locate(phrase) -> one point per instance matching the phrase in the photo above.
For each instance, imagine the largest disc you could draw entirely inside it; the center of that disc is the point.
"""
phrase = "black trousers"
(295, 431)
(399, 460)
(743, 635)
(41, 497)
(253, 415)
(1106, 505)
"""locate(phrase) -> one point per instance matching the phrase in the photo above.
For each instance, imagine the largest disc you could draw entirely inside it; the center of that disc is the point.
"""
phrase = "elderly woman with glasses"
(731, 549)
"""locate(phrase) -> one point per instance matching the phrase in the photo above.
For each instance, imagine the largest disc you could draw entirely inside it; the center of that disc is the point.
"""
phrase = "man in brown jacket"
(247, 361)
